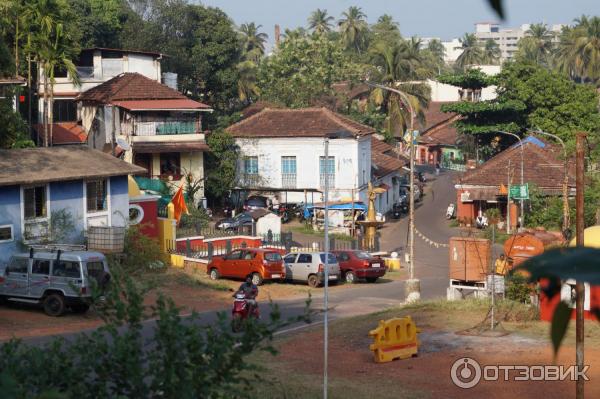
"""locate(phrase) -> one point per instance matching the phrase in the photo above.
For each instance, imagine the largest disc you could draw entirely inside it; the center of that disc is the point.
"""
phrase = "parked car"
(255, 202)
(55, 280)
(355, 264)
(418, 192)
(310, 267)
(239, 221)
(261, 264)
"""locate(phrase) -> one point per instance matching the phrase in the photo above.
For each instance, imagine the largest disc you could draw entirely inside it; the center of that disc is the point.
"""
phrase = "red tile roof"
(542, 167)
(305, 122)
(63, 133)
(143, 105)
(130, 87)
(258, 106)
(434, 115)
(384, 158)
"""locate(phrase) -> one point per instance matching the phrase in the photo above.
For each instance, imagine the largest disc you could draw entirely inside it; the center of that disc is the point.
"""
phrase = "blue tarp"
(347, 206)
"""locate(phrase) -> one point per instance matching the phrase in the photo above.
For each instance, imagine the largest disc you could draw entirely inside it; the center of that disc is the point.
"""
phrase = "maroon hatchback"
(360, 265)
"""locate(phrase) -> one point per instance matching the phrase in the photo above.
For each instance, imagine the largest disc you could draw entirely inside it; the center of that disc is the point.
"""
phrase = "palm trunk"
(51, 111)
(45, 111)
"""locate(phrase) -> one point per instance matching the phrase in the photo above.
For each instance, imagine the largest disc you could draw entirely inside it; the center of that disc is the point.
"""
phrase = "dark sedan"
(242, 220)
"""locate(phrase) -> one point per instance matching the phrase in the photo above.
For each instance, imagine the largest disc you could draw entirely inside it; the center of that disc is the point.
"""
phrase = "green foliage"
(472, 52)
(179, 359)
(517, 288)
(303, 69)
(62, 226)
(99, 21)
(221, 164)
(13, 133)
(473, 79)
(140, 255)
(192, 223)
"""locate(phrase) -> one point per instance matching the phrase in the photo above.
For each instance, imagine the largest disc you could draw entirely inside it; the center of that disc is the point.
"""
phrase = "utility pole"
(580, 287)
(326, 289)
(508, 201)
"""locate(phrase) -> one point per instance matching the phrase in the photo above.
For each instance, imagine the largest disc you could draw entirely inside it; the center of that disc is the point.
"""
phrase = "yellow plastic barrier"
(177, 261)
(394, 339)
(393, 263)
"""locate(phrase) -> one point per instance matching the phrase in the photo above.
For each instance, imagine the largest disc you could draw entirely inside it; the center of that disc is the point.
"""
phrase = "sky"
(425, 18)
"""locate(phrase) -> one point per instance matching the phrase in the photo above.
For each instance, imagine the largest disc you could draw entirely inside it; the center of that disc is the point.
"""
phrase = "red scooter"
(241, 312)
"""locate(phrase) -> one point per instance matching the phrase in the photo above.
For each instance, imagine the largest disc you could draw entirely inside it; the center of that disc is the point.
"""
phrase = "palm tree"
(472, 52)
(436, 48)
(247, 82)
(353, 28)
(537, 45)
(319, 21)
(254, 41)
(397, 64)
(294, 34)
(491, 52)
(579, 50)
(52, 49)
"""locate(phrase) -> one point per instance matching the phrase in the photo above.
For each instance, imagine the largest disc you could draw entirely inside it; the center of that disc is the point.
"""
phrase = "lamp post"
(413, 288)
(326, 288)
(565, 185)
(508, 194)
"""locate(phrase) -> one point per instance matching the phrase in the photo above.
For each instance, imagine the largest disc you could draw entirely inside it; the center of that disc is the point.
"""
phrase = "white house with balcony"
(94, 67)
(147, 123)
(282, 152)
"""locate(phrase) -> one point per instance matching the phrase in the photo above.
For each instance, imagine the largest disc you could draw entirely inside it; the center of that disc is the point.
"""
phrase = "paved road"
(431, 266)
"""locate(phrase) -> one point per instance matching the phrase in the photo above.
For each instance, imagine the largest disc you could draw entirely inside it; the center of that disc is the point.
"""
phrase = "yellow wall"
(193, 162)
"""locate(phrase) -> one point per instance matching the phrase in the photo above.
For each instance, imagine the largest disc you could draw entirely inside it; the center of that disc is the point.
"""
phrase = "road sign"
(520, 191)
(407, 136)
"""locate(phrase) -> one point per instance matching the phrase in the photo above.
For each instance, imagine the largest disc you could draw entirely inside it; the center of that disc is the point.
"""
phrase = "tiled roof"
(49, 164)
(144, 105)
(128, 87)
(63, 133)
(384, 159)
(541, 167)
(439, 129)
(434, 115)
(258, 106)
(305, 122)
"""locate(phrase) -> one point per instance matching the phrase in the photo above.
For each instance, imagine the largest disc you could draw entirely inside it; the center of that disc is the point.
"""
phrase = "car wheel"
(313, 281)
(257, 279)
(214, 274)
(81, 308)
(54, 305)
(372, 279)
(350, 277)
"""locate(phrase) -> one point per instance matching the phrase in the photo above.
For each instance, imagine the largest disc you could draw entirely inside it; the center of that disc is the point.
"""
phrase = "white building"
(283, 152)
(94, 67)
(442, 92)
(508, 38)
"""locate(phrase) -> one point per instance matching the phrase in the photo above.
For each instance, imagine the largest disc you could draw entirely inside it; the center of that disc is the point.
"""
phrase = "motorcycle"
(241, 312)
(398, 209)
(283, 211)
(450, 211)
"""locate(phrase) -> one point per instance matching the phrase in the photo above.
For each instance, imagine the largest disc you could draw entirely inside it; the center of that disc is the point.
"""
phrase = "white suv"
(310, 267)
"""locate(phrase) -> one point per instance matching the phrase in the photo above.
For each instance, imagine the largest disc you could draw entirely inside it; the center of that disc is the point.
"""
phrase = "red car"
(261, 264)
(356, 264)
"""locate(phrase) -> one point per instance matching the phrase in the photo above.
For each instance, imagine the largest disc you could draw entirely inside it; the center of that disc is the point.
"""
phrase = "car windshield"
(330, 259)
(95, 269)
(240, 216)
(272, 257)
(362, 255)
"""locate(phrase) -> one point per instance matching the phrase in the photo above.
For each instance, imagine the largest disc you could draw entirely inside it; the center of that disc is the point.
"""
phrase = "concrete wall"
(119, 201)
(10, 214)
(441, 92)
(68, 197)
(193, 162)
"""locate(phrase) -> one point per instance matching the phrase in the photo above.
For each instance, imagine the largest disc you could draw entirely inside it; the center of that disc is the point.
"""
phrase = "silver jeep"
(55, 279)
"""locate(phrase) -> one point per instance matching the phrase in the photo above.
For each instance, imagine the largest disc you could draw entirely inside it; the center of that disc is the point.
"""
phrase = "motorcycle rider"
(250, 292)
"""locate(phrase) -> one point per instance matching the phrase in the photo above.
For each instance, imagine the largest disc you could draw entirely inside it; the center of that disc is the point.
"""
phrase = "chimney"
(170, 79)
(277, 35)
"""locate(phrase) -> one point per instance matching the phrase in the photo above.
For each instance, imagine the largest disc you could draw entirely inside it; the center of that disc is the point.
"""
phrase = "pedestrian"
(437, 168)
(501, 265)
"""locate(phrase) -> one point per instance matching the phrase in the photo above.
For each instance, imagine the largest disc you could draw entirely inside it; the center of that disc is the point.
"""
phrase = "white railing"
(330, 177)
(288, 180)
(159, 128)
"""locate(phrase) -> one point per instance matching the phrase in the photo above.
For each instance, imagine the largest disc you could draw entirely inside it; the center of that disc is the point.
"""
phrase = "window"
(6, 233)
(18, 265)
(40, 267)
(96, 195)
(330, 258)
(343, 256)
(327, 171)
(291, 258)
(288, 172)
(251, 165)
(35, 202)
(249, 255)
(235, 255)
(304, 258)
(170, 164)
(272, 257)
(64, 111)
(66, 268)
(136, 214)
(95, 269)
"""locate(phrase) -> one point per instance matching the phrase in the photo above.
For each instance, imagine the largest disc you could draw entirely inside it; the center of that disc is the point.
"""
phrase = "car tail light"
(366, 263)
(321, 268)
(83, 290)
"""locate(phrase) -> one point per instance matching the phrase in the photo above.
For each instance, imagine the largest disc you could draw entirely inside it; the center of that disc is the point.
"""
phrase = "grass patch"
(308, 230)
(179, 277)
(454, 223)
(499, 236)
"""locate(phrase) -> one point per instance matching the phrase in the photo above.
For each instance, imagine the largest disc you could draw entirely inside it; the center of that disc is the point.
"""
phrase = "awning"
(158, 147)
(184, 104)
(384, 186)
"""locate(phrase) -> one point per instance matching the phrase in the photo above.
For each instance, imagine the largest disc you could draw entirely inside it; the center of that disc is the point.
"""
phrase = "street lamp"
(413, 288)
(508, 194)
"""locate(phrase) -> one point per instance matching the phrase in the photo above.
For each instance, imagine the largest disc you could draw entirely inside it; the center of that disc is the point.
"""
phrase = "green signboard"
(519, 192)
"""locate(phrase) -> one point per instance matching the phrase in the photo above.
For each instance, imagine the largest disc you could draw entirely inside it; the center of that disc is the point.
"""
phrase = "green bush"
(517, 288)
(140, 254)
(179, 359)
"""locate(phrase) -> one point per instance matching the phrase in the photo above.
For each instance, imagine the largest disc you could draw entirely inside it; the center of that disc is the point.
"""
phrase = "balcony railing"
(159, 128)
(288, 180)
(327, 177)
(250, 180)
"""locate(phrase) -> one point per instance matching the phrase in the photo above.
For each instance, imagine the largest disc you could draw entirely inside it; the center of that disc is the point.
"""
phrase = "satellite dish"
(121, 142)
